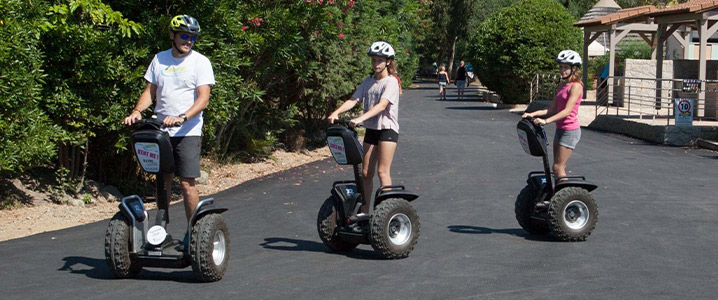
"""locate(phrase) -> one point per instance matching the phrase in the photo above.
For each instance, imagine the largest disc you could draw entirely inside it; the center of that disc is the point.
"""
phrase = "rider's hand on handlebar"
(332, 118)
(132, 118)
(171, 121)
(539, 121)
(355, 122)
(526, 115)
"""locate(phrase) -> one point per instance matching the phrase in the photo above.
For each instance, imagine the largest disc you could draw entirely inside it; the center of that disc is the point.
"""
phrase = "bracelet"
(137, 110)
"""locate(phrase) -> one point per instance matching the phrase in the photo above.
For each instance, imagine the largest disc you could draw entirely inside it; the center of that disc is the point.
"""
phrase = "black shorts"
(187, 153)
(373, 136)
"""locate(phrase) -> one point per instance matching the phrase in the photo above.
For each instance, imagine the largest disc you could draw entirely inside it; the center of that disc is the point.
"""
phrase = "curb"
(707, 144)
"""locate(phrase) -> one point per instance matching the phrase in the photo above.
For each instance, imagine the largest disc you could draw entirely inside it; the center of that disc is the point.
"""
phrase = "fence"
(544, 86)
(654, 98)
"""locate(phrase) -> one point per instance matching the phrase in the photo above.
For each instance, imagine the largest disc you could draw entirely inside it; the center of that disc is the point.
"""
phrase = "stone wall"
(672, 69)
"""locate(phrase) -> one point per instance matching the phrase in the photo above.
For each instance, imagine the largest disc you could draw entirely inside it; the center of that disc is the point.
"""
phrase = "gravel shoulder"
(33, 219)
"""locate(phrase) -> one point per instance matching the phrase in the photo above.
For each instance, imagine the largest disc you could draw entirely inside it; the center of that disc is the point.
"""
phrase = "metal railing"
(544, 86)
(655, 98)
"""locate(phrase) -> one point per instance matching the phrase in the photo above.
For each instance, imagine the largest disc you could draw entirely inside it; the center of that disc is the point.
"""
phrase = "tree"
(519, 41)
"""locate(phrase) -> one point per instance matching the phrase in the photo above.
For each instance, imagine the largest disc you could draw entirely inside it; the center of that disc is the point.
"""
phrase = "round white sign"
(156, 235)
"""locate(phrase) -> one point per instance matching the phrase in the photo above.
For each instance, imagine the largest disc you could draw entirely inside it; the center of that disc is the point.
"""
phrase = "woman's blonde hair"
(442, 68)
(576, 75)
(391, 66)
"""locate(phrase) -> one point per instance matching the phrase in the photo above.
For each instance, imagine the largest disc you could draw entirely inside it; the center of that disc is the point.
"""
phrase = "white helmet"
(569, 57)
(381, 49)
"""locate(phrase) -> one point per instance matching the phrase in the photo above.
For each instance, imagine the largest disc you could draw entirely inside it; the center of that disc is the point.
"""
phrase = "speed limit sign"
(684, 112)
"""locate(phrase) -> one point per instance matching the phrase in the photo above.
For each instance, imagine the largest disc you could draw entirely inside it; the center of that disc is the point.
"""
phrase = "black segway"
(391, 226)
(566, 209)
(132, 241)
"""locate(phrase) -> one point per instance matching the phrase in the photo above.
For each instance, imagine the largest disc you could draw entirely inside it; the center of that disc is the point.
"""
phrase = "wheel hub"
(219, 247)
(399, 229)
(576, 215)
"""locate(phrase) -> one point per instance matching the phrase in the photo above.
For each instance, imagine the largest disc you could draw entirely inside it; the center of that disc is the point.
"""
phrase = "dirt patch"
(99, 203)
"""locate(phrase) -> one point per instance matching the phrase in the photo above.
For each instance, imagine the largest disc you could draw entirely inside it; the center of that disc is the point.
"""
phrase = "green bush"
(26, 134)
(519, 41)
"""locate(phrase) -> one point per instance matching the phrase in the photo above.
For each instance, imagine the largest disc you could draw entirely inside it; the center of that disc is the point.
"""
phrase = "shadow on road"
(473, 108)
(98, 270)
(513, 231)
(286, 244)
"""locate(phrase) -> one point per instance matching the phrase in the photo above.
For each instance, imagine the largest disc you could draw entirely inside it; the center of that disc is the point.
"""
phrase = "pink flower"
(244, 28)
(339, 25)
(320, 2)
(341, 35)
(407, 51)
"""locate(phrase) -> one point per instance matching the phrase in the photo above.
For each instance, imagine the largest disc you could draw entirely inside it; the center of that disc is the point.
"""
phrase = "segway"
(133, 241)
(391, 226)
(548, 205)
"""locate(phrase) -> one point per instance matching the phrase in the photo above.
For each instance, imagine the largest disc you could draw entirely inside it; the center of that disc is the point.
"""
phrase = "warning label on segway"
(684, 112)
(149, 156)
(336, 145)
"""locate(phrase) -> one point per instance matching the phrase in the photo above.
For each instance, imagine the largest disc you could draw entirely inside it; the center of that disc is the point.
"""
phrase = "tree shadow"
(467, 229)
(472, 108)
(287, 244)
(98, 269)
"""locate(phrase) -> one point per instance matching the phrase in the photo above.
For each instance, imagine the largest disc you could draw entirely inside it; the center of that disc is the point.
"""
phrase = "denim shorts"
(461, 84)
(567, 138)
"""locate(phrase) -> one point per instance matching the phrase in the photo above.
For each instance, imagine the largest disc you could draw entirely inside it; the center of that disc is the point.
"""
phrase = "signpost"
(684, 111)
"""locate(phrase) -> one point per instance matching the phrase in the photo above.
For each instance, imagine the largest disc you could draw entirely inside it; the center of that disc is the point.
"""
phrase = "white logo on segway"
(156, 235)
(524, 139)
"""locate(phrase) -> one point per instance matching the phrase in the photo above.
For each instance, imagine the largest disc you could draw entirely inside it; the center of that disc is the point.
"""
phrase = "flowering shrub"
(280, 66)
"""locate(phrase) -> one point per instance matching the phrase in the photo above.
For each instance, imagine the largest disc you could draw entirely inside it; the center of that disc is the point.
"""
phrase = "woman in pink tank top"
(563, 110)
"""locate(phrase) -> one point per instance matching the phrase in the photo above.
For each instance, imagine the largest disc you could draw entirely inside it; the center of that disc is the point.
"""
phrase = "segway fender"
(204, 207)
(207, 209)
(577, 183)
(408, 196)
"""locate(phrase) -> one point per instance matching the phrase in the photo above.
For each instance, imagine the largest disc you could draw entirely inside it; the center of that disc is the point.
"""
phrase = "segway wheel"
(523, 208)
(117, 248)
(327, 228)
(573, 214)
(394, 228)
(209, 247)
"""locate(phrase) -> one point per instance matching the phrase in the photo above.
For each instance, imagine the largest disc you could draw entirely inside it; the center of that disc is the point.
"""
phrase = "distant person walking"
(443, 82)
(461, 80)
(564, 111)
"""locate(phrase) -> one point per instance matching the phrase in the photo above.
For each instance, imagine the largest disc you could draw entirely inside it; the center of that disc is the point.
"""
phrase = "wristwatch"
(184, 117)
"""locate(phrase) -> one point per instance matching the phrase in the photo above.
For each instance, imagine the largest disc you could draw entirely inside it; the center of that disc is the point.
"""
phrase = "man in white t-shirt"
(180, 80)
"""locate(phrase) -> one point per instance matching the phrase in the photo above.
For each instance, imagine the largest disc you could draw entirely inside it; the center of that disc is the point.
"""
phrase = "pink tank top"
(570, 122)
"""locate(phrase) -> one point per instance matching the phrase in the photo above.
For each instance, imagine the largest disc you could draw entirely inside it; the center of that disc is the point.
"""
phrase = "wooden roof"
(696, 6)
(620, 16)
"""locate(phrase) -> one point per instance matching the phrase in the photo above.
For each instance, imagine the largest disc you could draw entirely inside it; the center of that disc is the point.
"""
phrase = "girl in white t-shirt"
(380, 95)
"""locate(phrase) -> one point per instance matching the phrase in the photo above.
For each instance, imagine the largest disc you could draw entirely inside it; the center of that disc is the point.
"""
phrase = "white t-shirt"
(177, 80)
(370, 91)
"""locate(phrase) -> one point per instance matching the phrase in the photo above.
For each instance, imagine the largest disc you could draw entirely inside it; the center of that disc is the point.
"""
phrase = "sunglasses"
(187, 36)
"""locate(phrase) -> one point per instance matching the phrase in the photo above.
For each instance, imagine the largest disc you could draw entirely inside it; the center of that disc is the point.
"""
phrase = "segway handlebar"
(346, 123)
(531, 120)
(154, 122)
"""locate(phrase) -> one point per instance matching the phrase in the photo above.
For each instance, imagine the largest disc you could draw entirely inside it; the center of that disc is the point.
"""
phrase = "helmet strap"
(569, 75)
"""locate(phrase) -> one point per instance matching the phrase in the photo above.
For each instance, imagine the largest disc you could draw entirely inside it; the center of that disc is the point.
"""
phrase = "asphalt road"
(654, 239)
